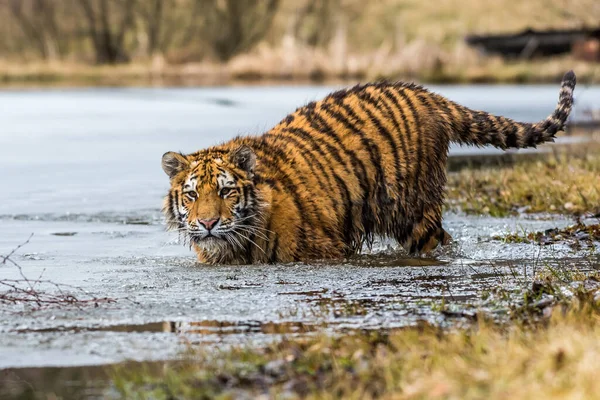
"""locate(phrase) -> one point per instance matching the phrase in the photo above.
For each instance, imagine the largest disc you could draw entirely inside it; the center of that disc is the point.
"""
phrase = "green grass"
(566, 184)
(577, 236)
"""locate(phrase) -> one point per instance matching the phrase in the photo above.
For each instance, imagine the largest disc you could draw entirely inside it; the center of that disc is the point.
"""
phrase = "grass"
(562, 183)
(555, 357)
(134, 74)
(576, 236)
(268, 66)
(393, 39)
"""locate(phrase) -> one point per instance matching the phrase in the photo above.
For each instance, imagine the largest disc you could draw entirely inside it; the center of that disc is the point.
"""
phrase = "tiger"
(364, 162)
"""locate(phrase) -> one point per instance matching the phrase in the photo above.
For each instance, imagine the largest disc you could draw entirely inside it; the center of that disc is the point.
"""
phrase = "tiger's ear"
(173, 163)
(244, 158)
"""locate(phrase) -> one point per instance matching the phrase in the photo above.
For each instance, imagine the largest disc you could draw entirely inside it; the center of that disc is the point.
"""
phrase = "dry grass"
(446, 21)
(410, 39)
(393, 39)
(563, 183)
(76, 74)
(418, 61)
(556, 359)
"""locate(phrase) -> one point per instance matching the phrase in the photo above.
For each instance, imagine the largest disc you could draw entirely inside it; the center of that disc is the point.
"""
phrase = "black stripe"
(359, 169)
(444, 124)
(274, 154)
(273, 255)
(418, 128)
(309, 107)
(512, 135)
(482, 128)
(431, 231)
(316, 146)
(381, 129)
(320, 166)
(529, 136)
(259, 179)
(496, 132)
(169, 210)
(332, 234)
(373, 150)
(177, 199)
(441, 104)
(348, 228)
(236, 175)
(368, 216)
(320, 126)
(413, 213)
(468, 133)
(287, 185)
(289, 119)
(441, 235)
(385, 199)
(400, 230)
(249, 248)
(423, 98)
(245, 193)
(428, 235)
(390, 112)
(268, 227)
(307, 137)
(305, 154)
(353, 243)
(407, 130)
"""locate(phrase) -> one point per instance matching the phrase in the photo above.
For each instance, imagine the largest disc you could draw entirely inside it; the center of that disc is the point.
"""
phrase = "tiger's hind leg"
(427, 234)
(429, 242)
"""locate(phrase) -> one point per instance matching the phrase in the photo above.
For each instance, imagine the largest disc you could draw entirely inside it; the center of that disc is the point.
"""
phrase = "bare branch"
(24, 291)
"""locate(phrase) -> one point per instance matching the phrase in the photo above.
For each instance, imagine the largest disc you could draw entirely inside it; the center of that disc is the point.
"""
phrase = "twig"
(23, 290)
(7, 258)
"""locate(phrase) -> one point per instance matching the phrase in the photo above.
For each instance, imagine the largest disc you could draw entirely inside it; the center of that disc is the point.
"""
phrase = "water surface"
(81, 170)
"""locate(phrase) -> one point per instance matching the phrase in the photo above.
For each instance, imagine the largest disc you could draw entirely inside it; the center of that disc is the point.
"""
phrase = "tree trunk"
(109, 44)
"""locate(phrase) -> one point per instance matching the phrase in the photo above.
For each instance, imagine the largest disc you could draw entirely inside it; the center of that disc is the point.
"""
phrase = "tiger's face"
(212, 201)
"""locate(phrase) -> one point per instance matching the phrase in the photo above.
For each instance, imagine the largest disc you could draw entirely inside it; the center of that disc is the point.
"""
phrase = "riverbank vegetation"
(563, 182)
(109, 42)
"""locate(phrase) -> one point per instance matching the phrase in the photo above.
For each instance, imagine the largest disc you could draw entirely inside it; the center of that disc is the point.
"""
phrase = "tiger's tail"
(481, 128)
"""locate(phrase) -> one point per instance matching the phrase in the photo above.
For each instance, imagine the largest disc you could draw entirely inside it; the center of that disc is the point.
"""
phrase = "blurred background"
(189, 42)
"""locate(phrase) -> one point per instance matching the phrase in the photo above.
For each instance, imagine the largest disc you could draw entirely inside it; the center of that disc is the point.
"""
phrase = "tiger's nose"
(208, 223)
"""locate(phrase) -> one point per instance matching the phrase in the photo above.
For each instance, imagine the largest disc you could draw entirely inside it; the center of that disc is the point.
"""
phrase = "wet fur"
(364, 161)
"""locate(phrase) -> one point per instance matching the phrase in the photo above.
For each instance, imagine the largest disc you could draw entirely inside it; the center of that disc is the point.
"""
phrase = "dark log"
(531, 43)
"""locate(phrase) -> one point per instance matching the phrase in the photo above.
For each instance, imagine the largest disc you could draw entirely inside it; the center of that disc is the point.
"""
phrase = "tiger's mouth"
(207, 239)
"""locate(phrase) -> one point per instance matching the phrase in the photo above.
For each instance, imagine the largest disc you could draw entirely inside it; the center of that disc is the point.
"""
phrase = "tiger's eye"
(192, 195)
(225, 192)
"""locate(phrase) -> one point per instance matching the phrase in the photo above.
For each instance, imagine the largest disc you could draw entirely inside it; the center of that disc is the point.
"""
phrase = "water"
(99, 150)
(81, 170)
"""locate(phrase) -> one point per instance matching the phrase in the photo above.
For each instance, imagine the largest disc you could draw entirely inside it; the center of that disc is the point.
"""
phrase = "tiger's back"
(365, 161)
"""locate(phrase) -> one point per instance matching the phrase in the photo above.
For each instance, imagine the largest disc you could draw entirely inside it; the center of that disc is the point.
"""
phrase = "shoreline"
(65, 75)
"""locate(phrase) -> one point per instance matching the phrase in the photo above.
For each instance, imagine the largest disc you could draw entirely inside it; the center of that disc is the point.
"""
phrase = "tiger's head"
(213, 201)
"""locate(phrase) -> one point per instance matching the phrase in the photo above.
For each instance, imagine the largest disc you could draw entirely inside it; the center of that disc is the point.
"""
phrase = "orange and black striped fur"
(365, 161)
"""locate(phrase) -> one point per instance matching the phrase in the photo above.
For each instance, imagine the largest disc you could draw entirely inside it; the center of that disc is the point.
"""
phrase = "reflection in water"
(208, 327)
(59, 382)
